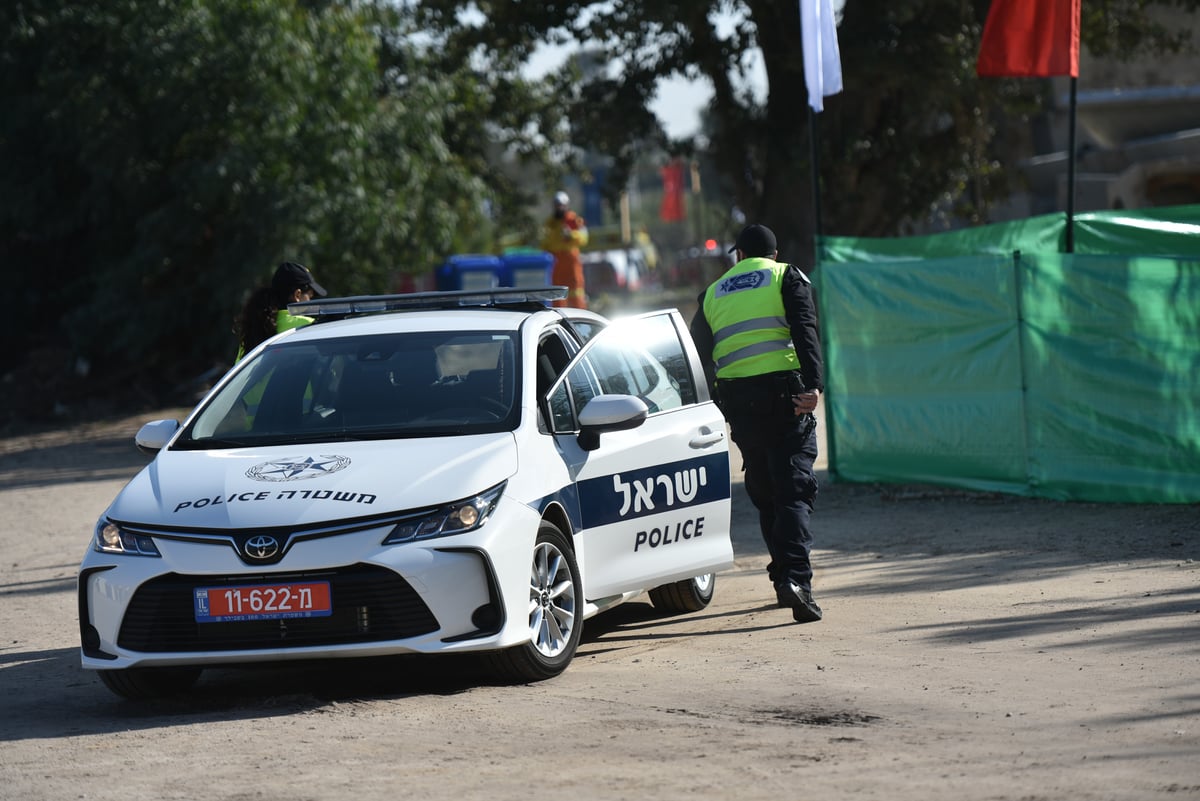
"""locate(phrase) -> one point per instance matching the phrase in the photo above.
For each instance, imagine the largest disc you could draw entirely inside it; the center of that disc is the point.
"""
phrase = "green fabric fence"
(1033, 372)
(1169, 231)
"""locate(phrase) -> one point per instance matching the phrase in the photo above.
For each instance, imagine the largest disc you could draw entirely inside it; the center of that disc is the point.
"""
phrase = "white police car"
(436, 472)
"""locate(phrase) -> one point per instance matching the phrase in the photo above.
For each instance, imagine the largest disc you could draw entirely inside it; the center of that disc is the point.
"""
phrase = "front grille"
(370, 604)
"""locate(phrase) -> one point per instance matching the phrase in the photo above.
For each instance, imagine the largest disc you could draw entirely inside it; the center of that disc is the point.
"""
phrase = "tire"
(144, 684)
(555, 613)
(689, 595)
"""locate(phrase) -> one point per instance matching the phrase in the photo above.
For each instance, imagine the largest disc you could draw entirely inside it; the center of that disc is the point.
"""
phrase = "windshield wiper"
(266, 441)
(213, 444)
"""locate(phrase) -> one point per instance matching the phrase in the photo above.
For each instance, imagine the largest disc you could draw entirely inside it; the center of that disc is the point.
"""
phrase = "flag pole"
(1071, 170)
(1036, 39)
(813, 157)
(822, 78)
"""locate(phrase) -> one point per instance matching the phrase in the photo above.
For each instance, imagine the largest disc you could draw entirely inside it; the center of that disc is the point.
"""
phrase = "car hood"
(303, 484)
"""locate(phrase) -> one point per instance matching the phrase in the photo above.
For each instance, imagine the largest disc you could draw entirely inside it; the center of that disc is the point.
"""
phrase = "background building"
(1137, 137)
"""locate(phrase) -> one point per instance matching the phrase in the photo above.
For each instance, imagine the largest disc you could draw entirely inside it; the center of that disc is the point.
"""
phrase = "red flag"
(1030, 38)
(671, 209)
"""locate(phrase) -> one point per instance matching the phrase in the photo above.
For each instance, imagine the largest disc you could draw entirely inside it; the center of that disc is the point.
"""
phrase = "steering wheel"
(496, 407)
(487, 408)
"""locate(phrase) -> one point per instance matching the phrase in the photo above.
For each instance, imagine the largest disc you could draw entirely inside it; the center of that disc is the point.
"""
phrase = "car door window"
(587, 329)
(661, 339)
(570, 395)
(642, 356)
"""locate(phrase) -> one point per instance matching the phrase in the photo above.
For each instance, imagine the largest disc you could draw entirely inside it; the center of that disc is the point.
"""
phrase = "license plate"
(262, 602)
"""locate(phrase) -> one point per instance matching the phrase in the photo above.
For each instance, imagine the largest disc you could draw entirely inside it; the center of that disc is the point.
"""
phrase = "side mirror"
(609, 413)
(154, 435)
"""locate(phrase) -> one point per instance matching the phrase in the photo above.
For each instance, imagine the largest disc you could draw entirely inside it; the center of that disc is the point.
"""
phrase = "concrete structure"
(1137, 135)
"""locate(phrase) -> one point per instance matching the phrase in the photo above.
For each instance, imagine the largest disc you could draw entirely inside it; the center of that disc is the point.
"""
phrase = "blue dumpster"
(470, 271)
(527, 269)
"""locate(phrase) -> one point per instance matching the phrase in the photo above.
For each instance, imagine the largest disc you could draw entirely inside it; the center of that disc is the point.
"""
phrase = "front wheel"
(689, 595)
(555, 612)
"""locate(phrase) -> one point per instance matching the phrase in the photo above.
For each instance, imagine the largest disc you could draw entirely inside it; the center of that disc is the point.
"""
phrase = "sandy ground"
(974, 647)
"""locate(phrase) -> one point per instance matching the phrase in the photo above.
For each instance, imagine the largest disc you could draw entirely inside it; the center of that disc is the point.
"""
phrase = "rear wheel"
(555, 612)
(689, 595)
(142, 684)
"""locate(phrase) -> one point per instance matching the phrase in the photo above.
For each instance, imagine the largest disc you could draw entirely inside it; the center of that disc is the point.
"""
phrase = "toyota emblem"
(261, 547)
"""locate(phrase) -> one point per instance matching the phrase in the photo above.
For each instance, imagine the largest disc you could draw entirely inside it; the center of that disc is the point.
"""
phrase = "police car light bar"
(367, 304)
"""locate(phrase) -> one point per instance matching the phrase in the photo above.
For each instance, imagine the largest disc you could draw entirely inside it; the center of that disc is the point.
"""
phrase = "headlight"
(453, 518)
(111, 538)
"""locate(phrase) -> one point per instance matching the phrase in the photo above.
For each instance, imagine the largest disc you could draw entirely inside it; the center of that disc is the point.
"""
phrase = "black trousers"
(778, 452)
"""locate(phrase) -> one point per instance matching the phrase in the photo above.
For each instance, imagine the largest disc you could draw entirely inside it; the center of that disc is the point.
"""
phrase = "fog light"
(90, 637)
(486, 618)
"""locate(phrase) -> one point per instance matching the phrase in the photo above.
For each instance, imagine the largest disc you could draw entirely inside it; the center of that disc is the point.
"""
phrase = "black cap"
(755, 240)
(290, 275)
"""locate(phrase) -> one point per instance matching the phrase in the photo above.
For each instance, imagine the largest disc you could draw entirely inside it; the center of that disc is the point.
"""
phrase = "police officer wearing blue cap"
(756, 331)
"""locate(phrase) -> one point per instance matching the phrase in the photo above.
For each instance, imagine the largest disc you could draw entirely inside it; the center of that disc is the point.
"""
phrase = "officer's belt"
(760, 380)
(767, 394)
(781, 384)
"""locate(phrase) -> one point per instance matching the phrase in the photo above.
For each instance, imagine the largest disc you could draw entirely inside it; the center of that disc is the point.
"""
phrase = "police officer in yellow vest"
(756, 331)
(266, 311)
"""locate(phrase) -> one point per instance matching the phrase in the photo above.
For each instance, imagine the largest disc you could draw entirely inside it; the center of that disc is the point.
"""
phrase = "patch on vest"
(737, 283)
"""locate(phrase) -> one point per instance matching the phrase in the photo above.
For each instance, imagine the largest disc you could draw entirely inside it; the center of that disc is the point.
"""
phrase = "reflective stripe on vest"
(741, 354)
(745, 310)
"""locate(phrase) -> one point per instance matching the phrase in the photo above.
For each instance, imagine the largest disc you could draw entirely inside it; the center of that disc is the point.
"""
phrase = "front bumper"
(446, 594)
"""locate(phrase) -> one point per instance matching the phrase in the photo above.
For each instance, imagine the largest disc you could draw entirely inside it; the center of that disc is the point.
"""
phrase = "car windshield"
(416, 384)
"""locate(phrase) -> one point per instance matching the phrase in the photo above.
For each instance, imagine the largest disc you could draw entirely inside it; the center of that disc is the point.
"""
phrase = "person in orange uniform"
(563, 234)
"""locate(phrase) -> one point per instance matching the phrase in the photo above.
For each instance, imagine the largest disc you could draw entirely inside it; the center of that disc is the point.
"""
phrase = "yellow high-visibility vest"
(284, 321)
(744, 308)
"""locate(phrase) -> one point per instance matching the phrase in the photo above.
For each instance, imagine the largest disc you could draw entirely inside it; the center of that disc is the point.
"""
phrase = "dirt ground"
(974, 647)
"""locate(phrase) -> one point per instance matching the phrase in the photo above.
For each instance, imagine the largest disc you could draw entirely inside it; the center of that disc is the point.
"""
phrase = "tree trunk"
(787, 195)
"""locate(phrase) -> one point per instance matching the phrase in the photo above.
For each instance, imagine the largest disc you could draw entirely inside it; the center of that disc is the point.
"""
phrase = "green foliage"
(1123, 29)
(166, 154)
(915, 136)
(161, 156)
(502, 125)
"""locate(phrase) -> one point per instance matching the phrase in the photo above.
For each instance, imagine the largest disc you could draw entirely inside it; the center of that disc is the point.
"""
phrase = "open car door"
(648, 449)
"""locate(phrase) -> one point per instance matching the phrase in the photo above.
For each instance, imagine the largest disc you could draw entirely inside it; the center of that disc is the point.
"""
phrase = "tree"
(161, 158)
(917, 135)
(914, 129)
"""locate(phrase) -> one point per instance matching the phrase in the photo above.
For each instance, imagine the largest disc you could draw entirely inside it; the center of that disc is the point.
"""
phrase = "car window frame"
(583, 361)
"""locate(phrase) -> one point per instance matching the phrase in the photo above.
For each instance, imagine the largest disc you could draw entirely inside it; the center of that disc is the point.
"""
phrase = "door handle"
(706, 438)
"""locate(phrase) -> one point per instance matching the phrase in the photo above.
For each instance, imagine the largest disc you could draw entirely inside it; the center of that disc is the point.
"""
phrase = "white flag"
(822, 61)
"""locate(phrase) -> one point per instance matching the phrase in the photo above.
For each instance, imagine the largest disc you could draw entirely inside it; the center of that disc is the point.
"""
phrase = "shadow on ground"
(884, 538)
(48, 695)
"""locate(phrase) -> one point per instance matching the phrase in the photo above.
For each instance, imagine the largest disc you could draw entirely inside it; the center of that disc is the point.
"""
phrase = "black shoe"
(804, 608)
(787, 594)
(807, 611)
